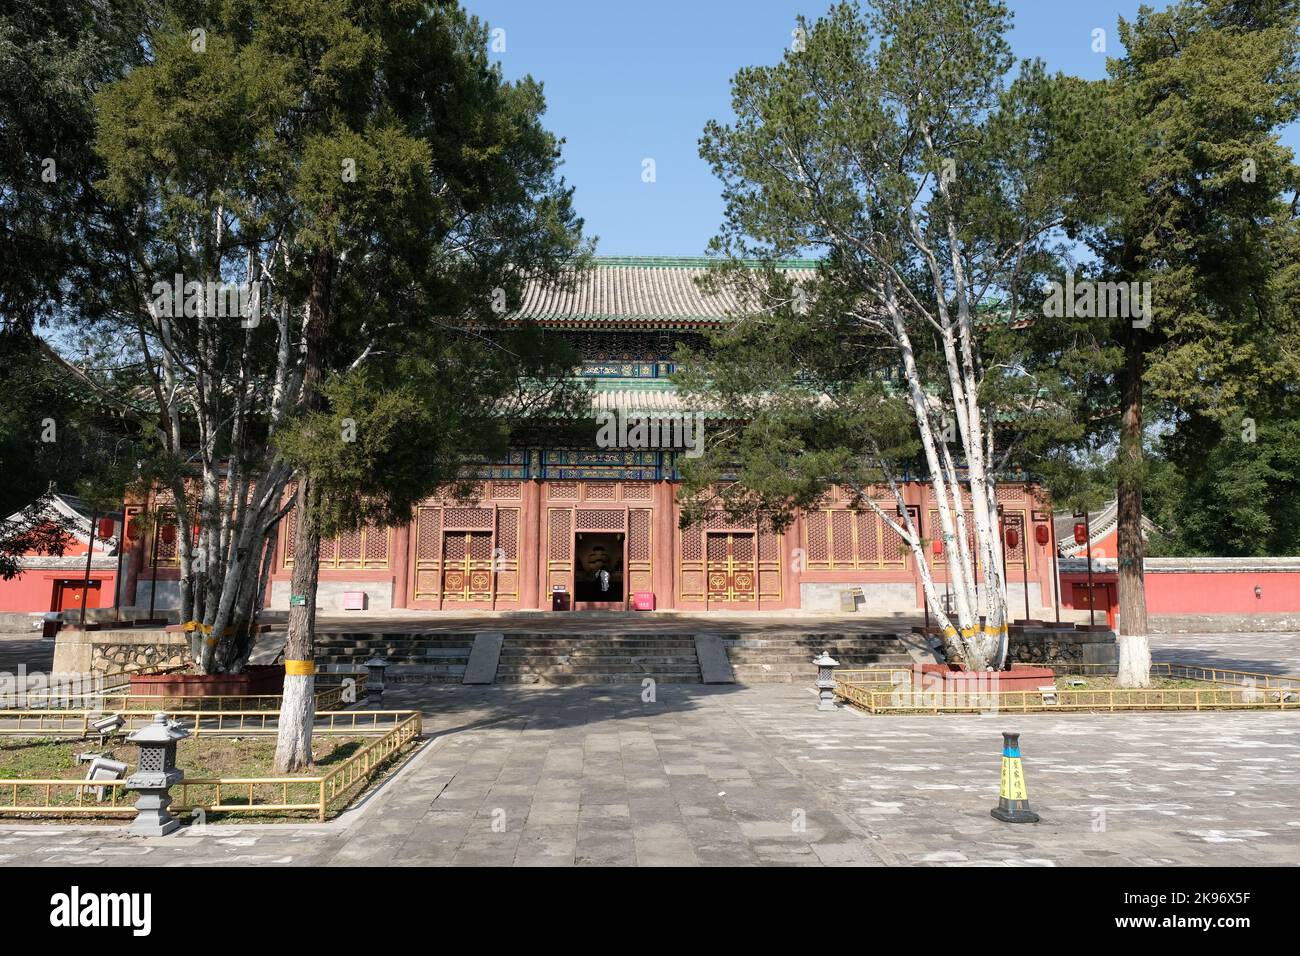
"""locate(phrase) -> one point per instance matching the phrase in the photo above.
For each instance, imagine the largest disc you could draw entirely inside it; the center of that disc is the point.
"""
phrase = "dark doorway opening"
(598, 566)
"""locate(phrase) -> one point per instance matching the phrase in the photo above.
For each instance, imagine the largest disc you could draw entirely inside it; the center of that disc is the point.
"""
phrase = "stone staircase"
(563, 659)
(606, 658)
(787, 658)
(425, 657)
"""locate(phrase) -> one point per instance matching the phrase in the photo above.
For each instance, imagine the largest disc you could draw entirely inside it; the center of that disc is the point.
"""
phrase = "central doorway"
(730, 571)
(598, 569)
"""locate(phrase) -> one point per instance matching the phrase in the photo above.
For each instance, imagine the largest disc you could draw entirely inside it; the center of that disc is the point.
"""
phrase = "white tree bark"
(1134, 661)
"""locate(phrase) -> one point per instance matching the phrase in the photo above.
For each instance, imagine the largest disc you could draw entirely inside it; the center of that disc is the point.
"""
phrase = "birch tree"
(894, 146)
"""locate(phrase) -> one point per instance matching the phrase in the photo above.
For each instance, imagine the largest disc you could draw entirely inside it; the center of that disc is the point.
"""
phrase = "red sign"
(643, 600)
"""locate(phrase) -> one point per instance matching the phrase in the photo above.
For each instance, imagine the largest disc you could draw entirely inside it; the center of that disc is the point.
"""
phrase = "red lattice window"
(638, 538)
(508, 533)
(637, 491)
(599, 519)
(561, 535)
(1009, 492)
(563, 490)
(601, 491)
(349, 547)
(506, 489)
(841, 538)
(428, 533)
(818, 547)
(691, 548)
(376, 545)
(470, 518)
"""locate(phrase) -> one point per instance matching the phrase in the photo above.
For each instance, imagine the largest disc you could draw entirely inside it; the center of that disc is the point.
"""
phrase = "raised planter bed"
(257, 679)
(955, 681)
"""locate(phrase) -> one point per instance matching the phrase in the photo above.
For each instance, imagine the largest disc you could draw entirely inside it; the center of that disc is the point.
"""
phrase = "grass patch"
(200, 757)
(56, 759)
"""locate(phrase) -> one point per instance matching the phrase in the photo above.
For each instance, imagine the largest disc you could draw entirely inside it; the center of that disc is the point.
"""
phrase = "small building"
(59, 582)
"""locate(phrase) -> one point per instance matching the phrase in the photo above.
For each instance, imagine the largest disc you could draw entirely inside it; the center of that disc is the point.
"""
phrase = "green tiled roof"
(653, 292)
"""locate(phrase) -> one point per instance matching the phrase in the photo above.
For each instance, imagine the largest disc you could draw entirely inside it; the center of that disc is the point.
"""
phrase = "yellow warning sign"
(1013, 780)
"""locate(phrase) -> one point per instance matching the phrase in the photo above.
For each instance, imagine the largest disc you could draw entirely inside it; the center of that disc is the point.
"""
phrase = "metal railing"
(314, 794)
(330, 697)
(244, 723)
(890, 690)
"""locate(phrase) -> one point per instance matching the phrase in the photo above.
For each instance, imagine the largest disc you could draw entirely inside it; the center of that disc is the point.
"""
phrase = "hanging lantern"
(1013, 538)
(169, 534)
(1080, 533)
(106, 527)
(133, 529)
(937, 547)
(1040, 534)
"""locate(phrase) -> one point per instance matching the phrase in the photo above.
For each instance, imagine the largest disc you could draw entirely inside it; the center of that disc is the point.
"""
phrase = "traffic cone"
(1013, 800)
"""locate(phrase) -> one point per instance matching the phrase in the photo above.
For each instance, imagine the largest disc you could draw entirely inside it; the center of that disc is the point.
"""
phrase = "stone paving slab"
(728, 775)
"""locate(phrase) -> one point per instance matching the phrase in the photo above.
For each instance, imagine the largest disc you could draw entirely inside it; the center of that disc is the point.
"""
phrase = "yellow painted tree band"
(970, 631)
(1013, 779)
(995, 631)
(210, 641)
(207, 628)
(299, 668)
(950, 631)
(190, 625)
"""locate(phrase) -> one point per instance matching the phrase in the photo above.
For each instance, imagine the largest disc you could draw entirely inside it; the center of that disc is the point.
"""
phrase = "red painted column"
(401, 558)
(792, 541)
(532, 550)
(664, 570)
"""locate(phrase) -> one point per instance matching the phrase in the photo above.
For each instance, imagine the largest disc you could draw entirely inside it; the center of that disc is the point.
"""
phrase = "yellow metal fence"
(891, 691)
(391, 730)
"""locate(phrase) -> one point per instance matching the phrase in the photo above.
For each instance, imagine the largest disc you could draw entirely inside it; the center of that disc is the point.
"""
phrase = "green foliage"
(56, 242)
(393, 430)
(1213, 493)
(840, 150)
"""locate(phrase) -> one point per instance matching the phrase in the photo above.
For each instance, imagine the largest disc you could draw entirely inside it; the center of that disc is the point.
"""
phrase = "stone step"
(571, 680)
(651, 671)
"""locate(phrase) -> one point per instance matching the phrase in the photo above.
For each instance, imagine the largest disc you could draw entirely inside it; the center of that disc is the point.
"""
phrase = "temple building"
(569, 522)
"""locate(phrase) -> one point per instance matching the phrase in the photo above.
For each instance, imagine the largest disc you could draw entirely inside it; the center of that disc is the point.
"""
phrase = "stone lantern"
(826, 681)
(156, 773)
(375, 680)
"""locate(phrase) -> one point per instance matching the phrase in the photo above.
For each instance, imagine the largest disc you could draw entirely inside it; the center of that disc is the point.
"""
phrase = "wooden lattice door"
(731, 573)
(467, 566)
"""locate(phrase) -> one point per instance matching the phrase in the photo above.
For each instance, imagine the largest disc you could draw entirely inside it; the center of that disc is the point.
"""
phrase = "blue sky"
(626, 81)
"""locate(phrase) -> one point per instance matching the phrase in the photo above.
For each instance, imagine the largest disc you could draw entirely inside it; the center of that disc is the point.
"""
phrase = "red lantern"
(1040, 534)
(1013, 538)
(133, 528)
(1080, 533)
(169, 534)
(106, 527)
(937, 547)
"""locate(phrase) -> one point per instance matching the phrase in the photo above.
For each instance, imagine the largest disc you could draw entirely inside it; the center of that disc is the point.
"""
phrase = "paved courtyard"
(756, 775)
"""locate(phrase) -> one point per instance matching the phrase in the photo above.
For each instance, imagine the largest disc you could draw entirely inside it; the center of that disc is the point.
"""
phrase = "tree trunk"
(1134, 649)
(298, 707)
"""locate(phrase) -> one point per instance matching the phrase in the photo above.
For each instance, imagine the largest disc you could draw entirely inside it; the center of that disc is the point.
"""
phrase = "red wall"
(1199, 592)
(1223, 592)
(33, 590)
